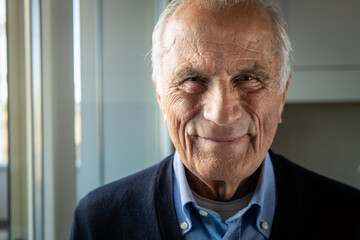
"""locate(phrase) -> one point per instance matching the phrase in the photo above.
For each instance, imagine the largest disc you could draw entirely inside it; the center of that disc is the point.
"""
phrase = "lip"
(223, 140)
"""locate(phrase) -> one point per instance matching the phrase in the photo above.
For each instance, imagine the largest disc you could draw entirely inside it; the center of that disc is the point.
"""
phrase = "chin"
(222, 166)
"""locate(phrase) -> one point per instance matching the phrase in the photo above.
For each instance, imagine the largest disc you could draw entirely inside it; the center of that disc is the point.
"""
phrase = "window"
(4, 143)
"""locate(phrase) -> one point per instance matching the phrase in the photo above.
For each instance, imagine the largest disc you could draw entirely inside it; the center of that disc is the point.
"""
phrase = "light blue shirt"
(252, 222)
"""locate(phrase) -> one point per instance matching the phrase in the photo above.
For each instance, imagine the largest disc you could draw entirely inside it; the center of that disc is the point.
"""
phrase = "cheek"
(270, 124)
(180, 105)
(264, 109)
(180, 109)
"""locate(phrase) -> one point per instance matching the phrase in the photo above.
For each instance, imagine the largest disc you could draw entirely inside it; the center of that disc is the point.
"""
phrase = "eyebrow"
(257, 69)
(186, 72)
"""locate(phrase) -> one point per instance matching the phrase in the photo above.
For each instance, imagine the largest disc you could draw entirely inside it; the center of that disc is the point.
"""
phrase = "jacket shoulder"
(142, 182)
(110, 209)
(312, 206)
(310, 181)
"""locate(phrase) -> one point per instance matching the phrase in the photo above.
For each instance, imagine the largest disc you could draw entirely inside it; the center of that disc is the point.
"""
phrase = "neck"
(222, 190)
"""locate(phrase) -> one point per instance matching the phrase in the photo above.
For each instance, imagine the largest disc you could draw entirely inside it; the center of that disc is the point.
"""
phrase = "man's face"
(219, 89)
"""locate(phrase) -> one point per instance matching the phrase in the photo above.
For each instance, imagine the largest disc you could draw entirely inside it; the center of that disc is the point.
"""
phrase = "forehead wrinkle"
(208, 53)
(219, 58)
(253, 46)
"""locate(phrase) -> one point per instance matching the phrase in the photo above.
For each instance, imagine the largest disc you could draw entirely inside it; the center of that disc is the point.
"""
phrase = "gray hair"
(284, 47)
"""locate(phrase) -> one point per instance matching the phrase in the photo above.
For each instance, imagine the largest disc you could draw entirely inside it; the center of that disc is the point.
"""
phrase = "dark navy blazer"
(309, 206)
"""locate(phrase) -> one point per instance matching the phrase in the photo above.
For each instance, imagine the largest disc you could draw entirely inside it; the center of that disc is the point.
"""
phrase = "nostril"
(222, 114)
(222, 105)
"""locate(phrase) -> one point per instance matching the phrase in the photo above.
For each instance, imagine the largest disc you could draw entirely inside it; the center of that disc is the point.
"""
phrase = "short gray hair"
(284, 47)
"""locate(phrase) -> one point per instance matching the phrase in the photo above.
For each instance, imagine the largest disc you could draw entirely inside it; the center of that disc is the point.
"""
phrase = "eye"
(194, 79)
(193, 85)
(247, 78)
(247, 83)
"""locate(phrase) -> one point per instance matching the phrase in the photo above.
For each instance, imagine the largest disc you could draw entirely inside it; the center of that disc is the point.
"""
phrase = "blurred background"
(78, 107)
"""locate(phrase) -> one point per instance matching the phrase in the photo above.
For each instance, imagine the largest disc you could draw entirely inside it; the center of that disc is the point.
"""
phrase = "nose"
(222, 105)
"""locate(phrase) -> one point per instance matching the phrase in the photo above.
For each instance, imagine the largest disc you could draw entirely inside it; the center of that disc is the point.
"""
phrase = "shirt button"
(265, 225)
(203, 213)
(184, 225)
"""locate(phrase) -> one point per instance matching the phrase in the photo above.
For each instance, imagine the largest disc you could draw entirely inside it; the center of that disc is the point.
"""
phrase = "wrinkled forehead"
(241, 25)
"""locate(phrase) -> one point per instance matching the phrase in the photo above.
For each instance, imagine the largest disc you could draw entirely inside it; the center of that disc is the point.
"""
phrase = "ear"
(283, 97)
(158, 96)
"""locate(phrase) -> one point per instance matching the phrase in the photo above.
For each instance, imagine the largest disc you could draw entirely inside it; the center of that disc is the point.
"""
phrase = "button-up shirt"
(254, 221)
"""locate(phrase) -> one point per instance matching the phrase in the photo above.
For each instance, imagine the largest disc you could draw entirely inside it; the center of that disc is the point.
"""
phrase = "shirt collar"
(264, 196)
(182, 194)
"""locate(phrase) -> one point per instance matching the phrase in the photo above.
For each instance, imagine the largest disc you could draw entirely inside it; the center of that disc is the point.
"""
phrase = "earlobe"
(283, 97)
(161, 106)
(280, 112)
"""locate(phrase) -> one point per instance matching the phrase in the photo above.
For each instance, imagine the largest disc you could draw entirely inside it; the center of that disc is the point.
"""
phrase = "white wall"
(325, 35)
(130, 107)
(121, 122)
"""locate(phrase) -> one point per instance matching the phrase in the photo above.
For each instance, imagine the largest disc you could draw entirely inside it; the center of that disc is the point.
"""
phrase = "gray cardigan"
(309, 206)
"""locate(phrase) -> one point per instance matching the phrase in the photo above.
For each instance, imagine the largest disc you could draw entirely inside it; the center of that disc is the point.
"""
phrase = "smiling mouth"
(222, 140)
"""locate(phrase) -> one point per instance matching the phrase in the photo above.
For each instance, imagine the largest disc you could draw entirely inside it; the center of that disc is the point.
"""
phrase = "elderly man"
(221, 72)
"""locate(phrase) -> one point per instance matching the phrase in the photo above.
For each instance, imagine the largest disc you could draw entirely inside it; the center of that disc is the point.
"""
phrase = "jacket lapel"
(164, 202)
